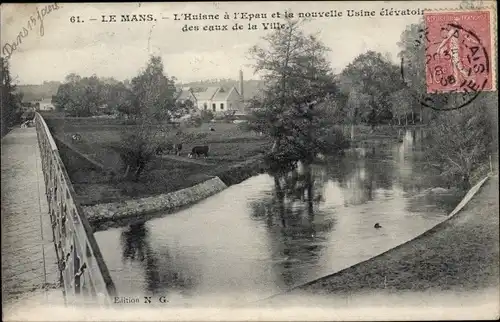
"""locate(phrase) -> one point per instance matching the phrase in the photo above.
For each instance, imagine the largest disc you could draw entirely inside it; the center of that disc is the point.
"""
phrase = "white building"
(45, 104)
(217, 99)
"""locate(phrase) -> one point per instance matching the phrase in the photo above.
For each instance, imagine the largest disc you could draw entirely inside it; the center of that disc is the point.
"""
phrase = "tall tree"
(413, 69)
(80, 96)
(153, 99)
(298, 77)
(400, 105)
(373, 78)
(153, 91)
(356, 102)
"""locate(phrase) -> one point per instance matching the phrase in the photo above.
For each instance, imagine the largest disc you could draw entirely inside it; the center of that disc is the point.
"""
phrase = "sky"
(121, 49)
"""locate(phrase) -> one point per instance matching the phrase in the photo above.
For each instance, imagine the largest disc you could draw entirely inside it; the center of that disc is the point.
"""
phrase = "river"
(240, 246)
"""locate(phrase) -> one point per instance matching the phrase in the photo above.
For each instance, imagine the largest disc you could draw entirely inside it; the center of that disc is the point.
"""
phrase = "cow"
(212, 129)
(199, 150)
(76, 137)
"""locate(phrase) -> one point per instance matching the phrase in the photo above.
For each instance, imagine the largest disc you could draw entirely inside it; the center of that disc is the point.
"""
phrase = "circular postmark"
(448, 68)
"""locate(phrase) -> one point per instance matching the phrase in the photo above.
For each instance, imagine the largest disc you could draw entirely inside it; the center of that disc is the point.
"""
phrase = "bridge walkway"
(29, 263)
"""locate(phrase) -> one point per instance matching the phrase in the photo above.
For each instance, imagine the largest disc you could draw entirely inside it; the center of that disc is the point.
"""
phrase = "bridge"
(47, 242)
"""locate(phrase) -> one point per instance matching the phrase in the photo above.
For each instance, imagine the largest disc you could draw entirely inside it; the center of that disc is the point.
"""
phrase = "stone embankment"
(135, 208)
(121, 213)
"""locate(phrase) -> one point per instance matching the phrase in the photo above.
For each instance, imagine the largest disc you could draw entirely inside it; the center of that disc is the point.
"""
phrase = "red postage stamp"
(459, 51)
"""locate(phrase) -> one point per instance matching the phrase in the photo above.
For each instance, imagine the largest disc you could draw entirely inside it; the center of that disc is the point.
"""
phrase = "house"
(45, 104)
(217, 99)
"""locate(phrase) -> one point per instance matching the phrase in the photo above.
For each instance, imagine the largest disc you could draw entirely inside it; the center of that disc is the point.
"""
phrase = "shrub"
(333, 140)
(206, 116)
(459, 142)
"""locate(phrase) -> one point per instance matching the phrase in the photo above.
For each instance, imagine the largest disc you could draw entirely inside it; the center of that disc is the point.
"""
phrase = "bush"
(460, 142)
(136, 150)
(206, 116)
(196, 121)
(333, 140)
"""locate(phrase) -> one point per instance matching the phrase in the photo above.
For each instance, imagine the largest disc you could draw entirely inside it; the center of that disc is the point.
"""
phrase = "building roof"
(185, 94)
(43, 100)
(206, 94)
(223, 93)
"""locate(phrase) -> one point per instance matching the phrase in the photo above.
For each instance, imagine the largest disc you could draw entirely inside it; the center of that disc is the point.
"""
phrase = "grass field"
(229, 145)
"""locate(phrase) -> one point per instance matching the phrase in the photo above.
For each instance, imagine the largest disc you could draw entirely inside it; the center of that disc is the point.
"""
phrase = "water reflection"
(278, 230)
(163, 271)
(295, 224)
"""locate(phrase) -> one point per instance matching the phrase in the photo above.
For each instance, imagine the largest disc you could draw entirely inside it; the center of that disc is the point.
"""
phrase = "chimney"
(241, 85)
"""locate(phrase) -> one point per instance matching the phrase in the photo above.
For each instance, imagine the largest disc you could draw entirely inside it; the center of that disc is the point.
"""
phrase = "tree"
(10, 100)
(119, 99)
(412, 54)
(293, 105)
(153, 98)
(372, 78)
(356, 102)
(298, 77)
(154, 92)
(400, 105)
(80, 96)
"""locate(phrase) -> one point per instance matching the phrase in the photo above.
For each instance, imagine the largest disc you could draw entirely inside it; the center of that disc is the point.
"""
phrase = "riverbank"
(363, 134)
(460, 254)
(114, 214)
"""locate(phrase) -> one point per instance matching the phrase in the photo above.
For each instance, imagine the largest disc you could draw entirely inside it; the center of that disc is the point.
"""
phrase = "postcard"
(250, 160)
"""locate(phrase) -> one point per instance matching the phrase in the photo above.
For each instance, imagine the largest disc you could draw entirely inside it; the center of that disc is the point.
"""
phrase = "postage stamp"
(459, 51)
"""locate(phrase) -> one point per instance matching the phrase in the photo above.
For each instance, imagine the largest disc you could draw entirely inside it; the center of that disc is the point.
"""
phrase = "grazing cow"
(377, 225)
(199, 150)
(76, 137)
(212, 129)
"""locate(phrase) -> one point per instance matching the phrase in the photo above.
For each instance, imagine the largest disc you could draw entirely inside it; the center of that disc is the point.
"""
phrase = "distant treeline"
(49, 88)
(38, 92)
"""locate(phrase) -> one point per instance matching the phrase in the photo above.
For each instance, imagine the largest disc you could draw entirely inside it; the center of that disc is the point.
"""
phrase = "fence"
(84, 274)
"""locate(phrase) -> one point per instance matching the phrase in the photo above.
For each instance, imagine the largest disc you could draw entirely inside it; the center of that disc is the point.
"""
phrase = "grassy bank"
(459, 254)
(232, 157)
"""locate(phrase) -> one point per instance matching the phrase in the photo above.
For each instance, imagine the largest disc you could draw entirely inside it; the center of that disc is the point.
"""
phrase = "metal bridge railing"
(84, 274)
